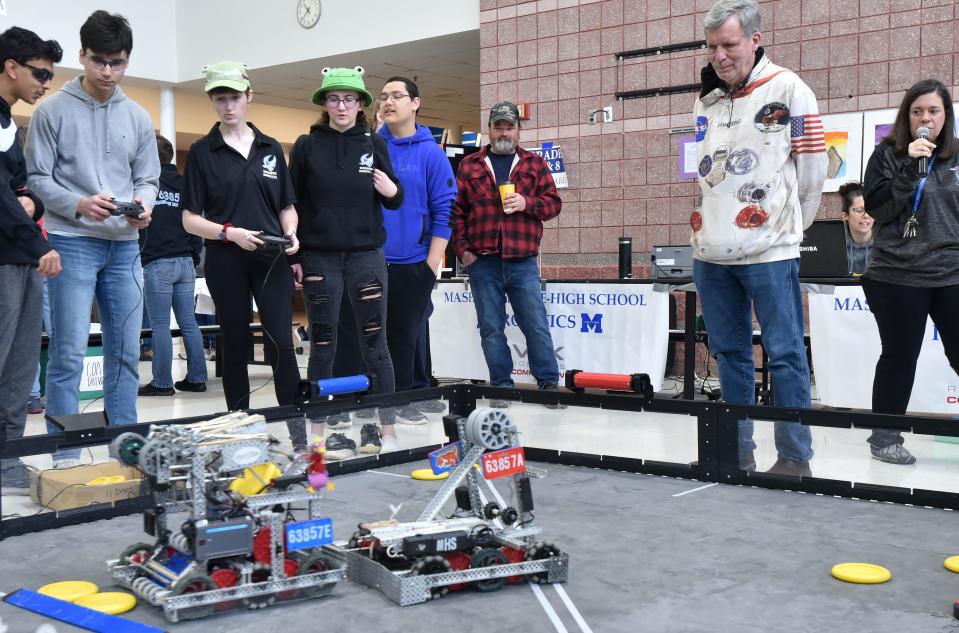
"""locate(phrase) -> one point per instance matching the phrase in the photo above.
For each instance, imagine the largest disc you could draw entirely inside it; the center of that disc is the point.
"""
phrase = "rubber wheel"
(488, 557)
(432, 565)
(136, 553)
(127, 448)
(194, 583)
(541, 551)
(313, 563)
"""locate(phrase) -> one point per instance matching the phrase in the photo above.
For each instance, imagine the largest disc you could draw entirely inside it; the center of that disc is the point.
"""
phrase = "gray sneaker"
(409, 414)
(430, 406)
(14, 474)
(339, 421)
(893, 454)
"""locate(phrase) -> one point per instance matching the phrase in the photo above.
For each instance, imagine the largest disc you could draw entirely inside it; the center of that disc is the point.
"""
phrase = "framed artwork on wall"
(843, 136)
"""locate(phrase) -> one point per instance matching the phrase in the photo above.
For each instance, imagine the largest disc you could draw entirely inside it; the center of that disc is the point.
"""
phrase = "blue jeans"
(168, 282)
(146, 343)
(110, 271)
(728, 295)
(492, 280)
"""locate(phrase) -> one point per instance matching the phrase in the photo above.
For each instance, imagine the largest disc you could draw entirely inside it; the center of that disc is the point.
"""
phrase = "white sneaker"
(61, 464)
(389, 444)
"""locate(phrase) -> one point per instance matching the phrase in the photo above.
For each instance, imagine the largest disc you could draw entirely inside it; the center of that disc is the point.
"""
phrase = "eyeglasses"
(333, 101)
(99, 63)
(858, 210)
(393, 96)
(40, 74)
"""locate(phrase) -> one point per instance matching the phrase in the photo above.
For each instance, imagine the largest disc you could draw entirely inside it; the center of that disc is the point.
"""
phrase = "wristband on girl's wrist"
(223, 232)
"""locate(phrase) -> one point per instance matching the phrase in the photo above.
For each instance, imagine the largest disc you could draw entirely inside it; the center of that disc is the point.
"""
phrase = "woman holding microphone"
(912, 191)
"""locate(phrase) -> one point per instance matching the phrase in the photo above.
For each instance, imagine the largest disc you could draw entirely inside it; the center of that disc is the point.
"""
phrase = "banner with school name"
(606, 328)
(845, 347)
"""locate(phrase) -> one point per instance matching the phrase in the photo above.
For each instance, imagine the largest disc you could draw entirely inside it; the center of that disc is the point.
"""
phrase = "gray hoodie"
(78, 146)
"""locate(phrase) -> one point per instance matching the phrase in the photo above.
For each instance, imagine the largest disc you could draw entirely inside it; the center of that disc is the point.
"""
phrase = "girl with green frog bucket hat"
(343, 179)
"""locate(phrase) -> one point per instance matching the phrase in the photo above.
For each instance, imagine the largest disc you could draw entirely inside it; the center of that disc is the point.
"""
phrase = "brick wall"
(558, 55)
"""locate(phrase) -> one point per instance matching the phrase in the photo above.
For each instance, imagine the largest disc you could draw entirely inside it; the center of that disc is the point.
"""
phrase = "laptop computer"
(823, 250)
(667, 262)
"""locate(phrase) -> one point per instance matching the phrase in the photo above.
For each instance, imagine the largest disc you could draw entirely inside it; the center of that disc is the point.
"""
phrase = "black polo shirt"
(229, 189)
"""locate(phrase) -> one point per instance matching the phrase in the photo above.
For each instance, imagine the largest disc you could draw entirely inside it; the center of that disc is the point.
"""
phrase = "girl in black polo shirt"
(343, 178)
(236, 177)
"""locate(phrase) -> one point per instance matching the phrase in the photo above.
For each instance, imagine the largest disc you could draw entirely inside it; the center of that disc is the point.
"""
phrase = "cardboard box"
(68, 488)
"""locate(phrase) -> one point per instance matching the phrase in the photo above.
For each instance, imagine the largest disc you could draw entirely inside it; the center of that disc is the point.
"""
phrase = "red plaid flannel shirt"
(481, 225)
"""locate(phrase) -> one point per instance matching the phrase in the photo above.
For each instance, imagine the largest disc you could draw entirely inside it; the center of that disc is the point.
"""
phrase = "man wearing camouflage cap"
(505, 195)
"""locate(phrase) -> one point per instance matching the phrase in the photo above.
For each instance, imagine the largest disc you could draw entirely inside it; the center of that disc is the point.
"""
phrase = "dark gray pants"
(20, 323)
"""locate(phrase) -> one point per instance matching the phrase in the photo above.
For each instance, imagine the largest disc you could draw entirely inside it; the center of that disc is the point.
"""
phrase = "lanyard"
(922, 185)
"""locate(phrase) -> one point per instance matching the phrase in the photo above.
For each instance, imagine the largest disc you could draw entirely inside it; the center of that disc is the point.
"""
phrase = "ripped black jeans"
(361, 276)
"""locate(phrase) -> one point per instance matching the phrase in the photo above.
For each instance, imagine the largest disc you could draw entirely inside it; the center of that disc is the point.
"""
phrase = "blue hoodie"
(430, 191)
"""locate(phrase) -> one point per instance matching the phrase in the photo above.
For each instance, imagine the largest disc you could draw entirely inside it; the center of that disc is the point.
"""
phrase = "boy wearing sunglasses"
(27, 71)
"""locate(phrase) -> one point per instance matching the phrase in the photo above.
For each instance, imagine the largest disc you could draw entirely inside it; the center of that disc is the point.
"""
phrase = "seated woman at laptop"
(912, 190)
(858, 227)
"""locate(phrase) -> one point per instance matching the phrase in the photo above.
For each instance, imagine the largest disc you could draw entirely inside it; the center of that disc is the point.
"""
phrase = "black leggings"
(410, 288)
(234, 276)
(900, 313)
(361, 277)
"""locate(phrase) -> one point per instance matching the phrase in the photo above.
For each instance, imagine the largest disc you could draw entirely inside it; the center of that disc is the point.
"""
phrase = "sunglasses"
(40, 74)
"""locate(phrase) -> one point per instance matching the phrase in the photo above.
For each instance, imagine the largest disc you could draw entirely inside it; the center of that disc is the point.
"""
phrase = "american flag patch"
(806, 134)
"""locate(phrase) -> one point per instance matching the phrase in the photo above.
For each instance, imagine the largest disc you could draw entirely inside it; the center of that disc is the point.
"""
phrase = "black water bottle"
(625, 257)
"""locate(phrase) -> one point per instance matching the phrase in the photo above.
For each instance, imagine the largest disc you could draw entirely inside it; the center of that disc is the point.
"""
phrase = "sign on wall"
(609, 328)
(553, 156)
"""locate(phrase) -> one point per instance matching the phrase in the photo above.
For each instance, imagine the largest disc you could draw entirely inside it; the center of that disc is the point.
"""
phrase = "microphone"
(923, 132)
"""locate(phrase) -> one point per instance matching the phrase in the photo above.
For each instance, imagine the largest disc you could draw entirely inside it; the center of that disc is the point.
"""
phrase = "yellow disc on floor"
(112, 602)
(427, 474)
(952, 564)
(861, 573)
(69, 590)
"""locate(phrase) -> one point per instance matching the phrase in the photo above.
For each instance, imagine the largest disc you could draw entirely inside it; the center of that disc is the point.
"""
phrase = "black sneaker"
(499, 404)
(150, 390)
(186, 385)
(552, 386)
(893, 454)
(146, 355)
(370, 439)
(338, 447)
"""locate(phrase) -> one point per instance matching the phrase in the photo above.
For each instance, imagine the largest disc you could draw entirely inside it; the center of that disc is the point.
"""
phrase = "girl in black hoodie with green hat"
(343, 178)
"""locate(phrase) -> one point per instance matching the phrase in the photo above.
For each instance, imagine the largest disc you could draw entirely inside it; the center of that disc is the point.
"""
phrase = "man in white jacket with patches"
(762, 163)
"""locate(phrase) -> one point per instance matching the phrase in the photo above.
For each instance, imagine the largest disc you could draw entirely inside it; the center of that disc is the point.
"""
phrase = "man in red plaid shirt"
(497, 240)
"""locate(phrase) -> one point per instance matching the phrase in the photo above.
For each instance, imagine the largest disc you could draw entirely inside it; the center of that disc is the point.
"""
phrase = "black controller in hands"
(274, 242)
(130, 209)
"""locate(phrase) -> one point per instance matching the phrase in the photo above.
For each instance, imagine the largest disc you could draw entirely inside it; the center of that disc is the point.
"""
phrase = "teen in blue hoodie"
(417, 233)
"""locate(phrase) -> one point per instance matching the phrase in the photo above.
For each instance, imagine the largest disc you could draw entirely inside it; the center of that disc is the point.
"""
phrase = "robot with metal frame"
(238, 544)
(480, 544)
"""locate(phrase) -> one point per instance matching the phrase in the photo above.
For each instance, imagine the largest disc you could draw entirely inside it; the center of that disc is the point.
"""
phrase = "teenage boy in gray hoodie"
(89, 144)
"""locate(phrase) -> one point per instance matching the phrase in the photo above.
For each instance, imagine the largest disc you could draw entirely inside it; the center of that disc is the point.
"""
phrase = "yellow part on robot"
(952, 564)
(255, 479)
(69, 590)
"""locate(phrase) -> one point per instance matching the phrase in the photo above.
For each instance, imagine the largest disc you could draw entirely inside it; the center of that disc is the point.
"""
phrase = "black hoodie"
(165, 237)
(332, 176)
(21, 241)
